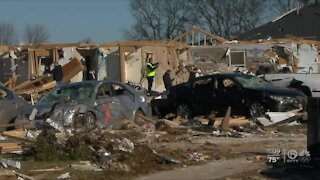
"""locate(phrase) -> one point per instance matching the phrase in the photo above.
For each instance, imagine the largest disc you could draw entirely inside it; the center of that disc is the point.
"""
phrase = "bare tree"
(36, 34)
(159, 19)
(7, 34)
(229, 18)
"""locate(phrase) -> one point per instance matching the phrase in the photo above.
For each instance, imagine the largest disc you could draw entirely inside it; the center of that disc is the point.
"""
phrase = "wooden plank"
(172, 43)
(130, 49)
(20, 123)
(71, 69)
(44, 87)
(24, 176)
(20, 133)
(29, 84)
(29, 65)
(7, 175)
(43, 53)
(54, 56)
(234, 122)
(192, 41)
(10, 147)
(4, 48)
(225, 121)
(49, 85)
(49, 169)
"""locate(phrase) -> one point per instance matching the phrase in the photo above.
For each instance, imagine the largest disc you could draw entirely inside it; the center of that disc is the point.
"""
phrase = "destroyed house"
(302, 23)
(26, 68)
(212, 53)
(301, 57)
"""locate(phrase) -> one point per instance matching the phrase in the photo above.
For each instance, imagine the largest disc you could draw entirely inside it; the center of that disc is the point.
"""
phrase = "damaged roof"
(303, 23)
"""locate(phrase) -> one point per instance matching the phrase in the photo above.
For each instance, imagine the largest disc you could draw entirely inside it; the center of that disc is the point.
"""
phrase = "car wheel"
(184, 111)
(137, 119)
(256, 110)
(89, 121)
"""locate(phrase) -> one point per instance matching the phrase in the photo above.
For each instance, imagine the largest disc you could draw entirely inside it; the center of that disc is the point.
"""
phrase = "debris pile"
(134, 148)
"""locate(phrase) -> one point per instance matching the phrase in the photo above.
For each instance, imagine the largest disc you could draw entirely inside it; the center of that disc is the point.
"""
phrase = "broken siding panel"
(113, 64)
(307, 58)
(134, 66)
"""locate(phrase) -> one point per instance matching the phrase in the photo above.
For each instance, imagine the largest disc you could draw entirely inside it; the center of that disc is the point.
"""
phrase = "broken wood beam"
(234, 122)
(24, 176)
(19, 133)
(71, 69)
(146, 118)
(10, 147)
(20, 123)
(225, 121)
(49, 170)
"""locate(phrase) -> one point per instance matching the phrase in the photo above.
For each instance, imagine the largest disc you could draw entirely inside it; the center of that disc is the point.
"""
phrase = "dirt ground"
(170, 154)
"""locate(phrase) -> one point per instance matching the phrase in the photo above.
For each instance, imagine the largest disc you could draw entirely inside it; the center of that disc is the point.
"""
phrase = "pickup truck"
(308, 82)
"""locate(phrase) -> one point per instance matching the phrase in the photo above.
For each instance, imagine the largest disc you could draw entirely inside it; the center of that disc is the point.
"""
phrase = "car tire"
(256, 110)
(184, 111)
(137, 119)
(90, 121)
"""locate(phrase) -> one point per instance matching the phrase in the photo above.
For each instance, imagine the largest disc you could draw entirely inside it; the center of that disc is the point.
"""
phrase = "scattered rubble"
(11, 163)
(124, 145)
(64, 176)
(86, 166)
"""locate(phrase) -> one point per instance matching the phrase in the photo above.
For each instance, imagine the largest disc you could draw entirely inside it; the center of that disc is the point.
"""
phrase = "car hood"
(279, 91)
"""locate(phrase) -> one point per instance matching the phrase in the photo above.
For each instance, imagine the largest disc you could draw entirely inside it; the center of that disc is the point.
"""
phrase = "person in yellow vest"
(150, 73)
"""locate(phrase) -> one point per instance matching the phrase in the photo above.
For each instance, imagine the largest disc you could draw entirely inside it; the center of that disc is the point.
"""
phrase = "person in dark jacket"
(57, 73)
(167, 80)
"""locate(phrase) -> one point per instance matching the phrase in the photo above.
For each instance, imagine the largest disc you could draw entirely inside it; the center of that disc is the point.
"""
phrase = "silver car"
(11, 106)
(101, 103)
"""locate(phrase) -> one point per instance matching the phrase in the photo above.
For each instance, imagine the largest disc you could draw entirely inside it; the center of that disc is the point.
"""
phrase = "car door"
(126, 99)
(108, 111)
(8, 109)
(203, 95)
(229, 94)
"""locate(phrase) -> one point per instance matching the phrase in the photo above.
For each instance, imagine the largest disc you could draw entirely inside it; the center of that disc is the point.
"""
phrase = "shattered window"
(118, 89)
(103, 91)
(202, 82)
(251, 81)
(81, 91)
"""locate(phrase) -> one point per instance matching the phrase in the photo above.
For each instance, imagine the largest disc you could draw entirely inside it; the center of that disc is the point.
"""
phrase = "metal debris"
(11, 163)
(124, 145)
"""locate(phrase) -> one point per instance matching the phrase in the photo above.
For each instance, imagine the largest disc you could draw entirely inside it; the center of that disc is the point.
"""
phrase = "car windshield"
(251, 81)
(81, 91)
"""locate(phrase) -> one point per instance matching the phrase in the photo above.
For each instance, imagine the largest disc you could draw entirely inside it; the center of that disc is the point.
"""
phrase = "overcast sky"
(70, 20)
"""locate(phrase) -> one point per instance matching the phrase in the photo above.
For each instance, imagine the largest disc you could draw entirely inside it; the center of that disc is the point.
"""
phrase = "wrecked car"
(11, 106)
(92, 103)
(247, 95)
